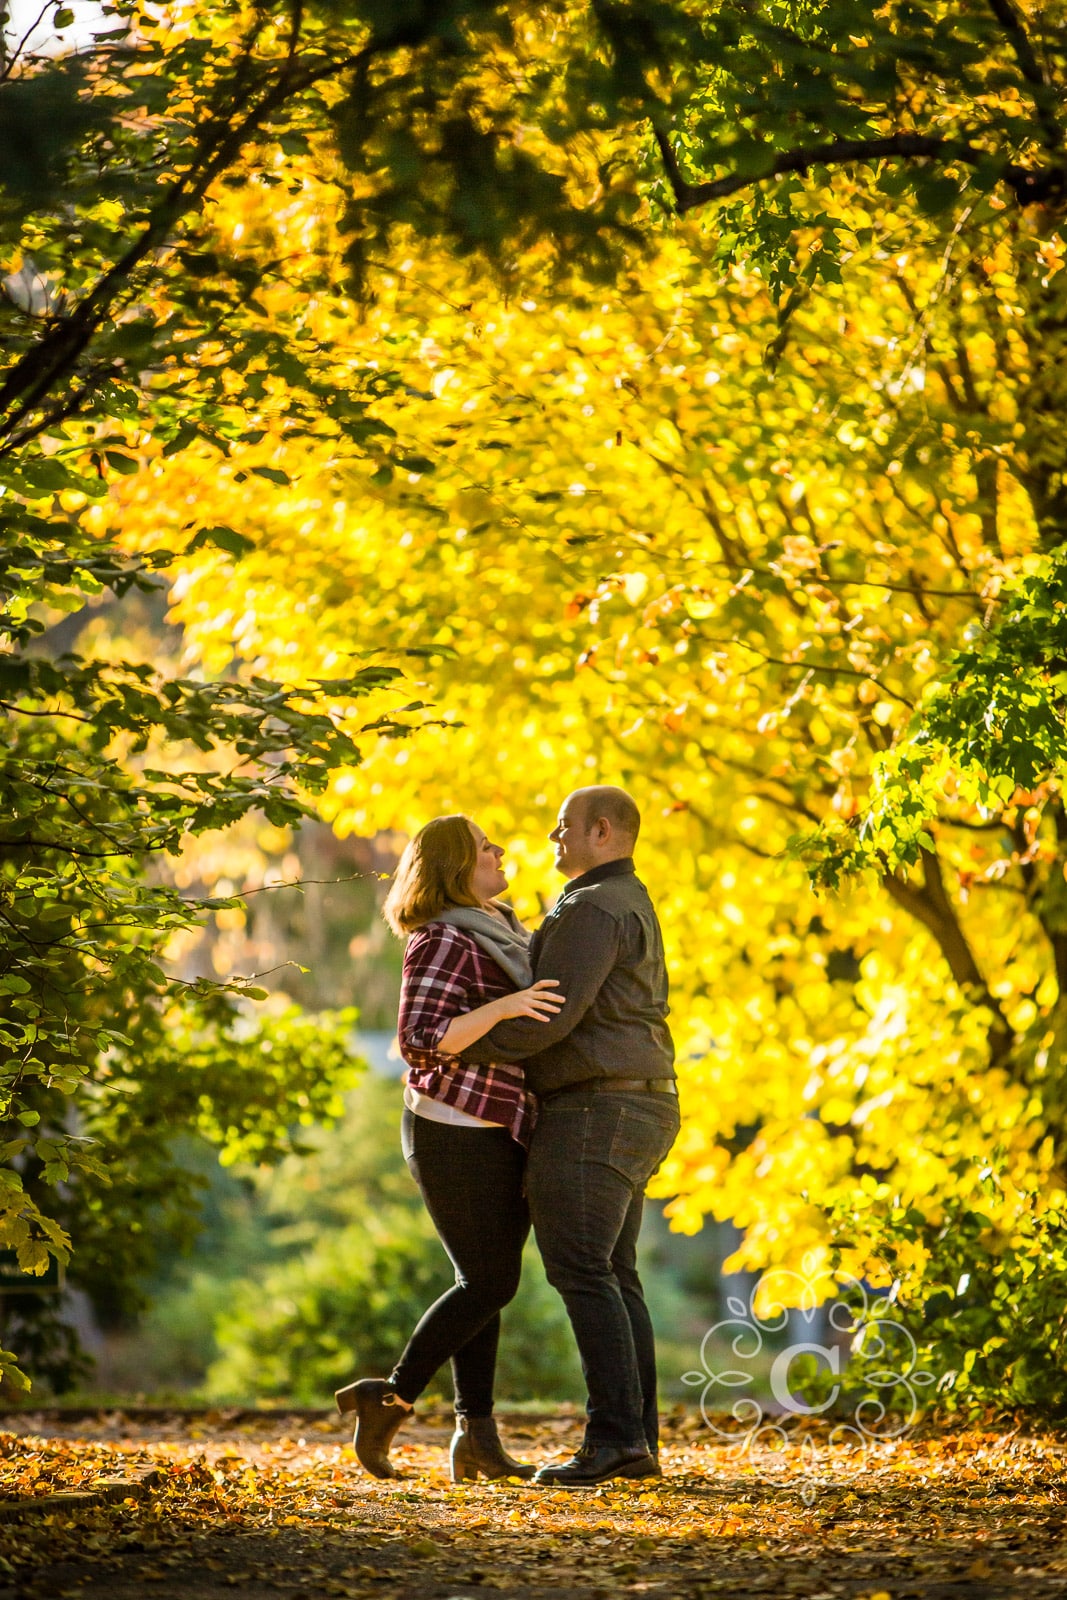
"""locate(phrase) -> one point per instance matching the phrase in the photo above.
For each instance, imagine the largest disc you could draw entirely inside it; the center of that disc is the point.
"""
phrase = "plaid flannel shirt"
(445, 975)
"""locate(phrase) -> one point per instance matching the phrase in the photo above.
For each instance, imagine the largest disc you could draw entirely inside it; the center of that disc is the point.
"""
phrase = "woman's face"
(487, 879)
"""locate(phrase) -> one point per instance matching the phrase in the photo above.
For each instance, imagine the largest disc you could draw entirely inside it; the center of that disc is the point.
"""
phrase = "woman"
(464, 1132)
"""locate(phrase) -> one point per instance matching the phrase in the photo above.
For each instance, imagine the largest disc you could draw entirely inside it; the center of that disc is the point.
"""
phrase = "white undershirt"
(437, 1111)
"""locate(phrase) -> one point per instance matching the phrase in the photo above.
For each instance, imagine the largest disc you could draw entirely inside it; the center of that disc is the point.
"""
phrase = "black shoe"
(594, 1463)
(476, 1448)
(378, 1416)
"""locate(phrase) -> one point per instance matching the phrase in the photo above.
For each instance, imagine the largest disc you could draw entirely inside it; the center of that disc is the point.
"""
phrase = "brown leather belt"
(625, 1085)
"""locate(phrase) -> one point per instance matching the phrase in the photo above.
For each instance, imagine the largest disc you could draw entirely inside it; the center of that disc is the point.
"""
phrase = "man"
(603, 1068)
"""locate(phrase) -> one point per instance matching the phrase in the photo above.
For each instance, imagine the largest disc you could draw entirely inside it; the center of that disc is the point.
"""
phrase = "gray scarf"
(508, 942)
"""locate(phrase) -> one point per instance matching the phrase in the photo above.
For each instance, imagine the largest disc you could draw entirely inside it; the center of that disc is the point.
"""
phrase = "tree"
(663, 544)
(956, 111)
(123, 324)
(892, 177)
(113, 324)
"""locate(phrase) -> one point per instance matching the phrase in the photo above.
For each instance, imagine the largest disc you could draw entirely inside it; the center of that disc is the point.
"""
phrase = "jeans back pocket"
(641, 1140)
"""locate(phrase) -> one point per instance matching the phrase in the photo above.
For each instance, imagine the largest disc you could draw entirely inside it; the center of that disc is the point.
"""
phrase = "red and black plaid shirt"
(445, 975)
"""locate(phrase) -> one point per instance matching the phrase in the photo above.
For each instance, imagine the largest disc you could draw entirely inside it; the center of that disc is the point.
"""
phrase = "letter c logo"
(780, 1376)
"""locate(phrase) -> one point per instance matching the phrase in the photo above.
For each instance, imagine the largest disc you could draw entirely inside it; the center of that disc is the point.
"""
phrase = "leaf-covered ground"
(268, 1505)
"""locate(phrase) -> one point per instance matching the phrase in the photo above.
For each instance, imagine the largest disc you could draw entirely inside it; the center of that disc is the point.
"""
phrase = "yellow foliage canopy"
(673, 538)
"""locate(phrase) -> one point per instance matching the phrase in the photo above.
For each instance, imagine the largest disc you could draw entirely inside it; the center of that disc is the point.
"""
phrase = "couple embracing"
(540, 1088)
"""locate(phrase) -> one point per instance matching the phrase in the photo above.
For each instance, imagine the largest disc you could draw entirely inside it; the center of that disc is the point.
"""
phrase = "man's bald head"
(596, 825)
(603, 801)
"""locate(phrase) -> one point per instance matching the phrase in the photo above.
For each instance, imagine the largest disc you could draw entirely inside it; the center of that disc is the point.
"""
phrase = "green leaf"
(223, 538)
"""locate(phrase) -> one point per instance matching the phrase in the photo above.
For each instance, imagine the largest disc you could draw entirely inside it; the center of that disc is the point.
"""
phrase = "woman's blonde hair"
(434, 871)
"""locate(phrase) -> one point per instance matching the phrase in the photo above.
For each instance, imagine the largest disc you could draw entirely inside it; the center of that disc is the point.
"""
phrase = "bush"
(981, 1285)
(346, 1309)
(348, 1266)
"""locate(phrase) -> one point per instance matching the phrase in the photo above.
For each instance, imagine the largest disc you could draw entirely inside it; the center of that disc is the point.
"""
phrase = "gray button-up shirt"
(602, 942)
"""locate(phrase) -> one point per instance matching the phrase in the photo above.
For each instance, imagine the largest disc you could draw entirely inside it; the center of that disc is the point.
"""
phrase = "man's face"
(572, 839)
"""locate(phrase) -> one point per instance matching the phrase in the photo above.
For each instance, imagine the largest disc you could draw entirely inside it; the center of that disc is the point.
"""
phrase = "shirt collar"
(608, 869)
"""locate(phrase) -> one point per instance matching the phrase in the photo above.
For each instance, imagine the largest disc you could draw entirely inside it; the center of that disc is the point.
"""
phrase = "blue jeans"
(591, 1157)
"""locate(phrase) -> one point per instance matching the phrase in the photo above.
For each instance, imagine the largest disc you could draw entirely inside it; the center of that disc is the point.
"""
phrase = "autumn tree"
(755, 531)
(758, 504)
(125, 329)
(117, 323)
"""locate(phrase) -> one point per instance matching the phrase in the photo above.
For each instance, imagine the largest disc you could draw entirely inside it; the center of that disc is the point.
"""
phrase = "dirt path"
(268, 1505)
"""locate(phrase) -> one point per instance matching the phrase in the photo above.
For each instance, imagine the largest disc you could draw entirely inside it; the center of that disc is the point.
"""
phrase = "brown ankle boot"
(378, 1416)
(476, 1448)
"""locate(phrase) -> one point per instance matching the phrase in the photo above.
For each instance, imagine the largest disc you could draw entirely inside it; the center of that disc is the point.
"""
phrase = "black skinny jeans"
(471, 1180)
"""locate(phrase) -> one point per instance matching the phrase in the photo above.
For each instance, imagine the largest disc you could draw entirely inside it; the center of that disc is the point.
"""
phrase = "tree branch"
(819, 576)
(30, 711)
(679, 183)
(1030, 185)
(30, 842)
(1030, 67)
(1046, 906)
(809, 666)
(929, 904)
(13, 60)
(56, 356)
(295, 25)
